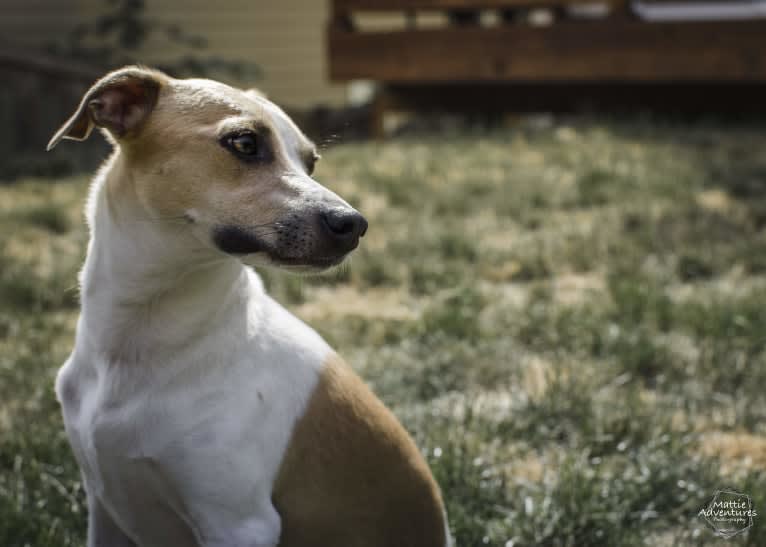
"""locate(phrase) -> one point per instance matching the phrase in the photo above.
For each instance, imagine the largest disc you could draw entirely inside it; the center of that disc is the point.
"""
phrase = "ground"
(569, 319)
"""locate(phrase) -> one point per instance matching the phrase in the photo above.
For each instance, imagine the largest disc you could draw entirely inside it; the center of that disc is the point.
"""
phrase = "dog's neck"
(147, 285)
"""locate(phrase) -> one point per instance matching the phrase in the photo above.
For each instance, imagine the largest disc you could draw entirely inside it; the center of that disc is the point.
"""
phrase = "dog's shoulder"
(353, 475)
(282, 332)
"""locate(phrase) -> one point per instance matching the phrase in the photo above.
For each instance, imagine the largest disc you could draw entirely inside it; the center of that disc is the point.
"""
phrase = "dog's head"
(229, 162)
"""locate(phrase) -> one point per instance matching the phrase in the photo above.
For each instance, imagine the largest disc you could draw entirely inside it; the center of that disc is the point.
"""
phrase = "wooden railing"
(617, 47)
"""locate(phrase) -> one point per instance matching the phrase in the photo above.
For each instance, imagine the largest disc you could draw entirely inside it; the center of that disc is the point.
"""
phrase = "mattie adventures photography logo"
(729, 513)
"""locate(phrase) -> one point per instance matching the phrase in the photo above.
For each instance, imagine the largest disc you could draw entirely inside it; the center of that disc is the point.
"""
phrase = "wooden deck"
(620, 50)
(617, 49)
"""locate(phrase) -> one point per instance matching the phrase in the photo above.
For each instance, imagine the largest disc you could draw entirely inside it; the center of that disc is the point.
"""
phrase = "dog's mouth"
(294, 253)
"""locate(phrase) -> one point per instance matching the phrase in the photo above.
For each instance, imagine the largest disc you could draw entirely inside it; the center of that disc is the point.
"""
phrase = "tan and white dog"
(200, 411)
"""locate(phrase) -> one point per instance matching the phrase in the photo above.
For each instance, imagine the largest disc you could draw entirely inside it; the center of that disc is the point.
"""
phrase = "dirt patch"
(382, 303)
(737, 452)
(571, 289)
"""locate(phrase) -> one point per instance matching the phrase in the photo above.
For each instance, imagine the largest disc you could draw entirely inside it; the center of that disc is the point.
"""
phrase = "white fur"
(179, 352)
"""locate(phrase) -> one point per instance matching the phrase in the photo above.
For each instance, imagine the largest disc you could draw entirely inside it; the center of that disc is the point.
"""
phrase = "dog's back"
(352, 476)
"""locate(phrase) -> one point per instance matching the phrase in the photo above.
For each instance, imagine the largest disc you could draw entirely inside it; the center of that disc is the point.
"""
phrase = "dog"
(200, 411)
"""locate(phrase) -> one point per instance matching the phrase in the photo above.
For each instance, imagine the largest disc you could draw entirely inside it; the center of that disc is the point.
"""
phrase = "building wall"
(284, 37)
(36, 22)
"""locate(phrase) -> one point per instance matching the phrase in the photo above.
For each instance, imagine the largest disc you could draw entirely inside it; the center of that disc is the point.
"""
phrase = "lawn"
(569, 320)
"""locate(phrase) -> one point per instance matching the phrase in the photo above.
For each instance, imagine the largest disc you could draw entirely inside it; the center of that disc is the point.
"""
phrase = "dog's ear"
(118, 102)
(255, 93)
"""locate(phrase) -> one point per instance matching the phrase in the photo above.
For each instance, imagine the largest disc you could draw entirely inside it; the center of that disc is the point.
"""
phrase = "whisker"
(276, 224)
(267, 233)
(159, 219)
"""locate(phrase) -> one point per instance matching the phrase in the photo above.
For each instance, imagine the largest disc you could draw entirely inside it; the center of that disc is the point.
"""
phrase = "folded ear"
(255, 93)
(118, 102)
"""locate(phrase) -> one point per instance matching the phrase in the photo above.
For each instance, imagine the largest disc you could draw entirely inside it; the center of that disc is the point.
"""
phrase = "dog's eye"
(248, 146)
(245, 144)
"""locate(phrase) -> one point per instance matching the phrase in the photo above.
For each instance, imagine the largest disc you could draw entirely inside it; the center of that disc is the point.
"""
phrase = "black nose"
(344, 226)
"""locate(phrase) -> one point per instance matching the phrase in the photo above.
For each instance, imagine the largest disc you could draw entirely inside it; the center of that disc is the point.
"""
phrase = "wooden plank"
(581, 51)
(340, 6)
(492, 98)
(37, 63)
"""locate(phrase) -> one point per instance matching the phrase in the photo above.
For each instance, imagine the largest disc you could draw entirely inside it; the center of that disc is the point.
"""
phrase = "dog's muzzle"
(319, 239)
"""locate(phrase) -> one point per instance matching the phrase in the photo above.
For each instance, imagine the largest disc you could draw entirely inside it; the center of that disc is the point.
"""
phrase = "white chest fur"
(149, 436)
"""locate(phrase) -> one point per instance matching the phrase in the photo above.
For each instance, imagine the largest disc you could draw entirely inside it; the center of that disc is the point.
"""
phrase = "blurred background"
(345, 68)
(562, 293)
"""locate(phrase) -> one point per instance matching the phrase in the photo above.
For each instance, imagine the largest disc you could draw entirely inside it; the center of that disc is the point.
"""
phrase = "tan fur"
(352, 476)
(171, 161)
(202, 175)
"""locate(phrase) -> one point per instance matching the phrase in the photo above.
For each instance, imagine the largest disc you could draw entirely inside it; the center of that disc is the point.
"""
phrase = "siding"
(37, 22)
(285, 37)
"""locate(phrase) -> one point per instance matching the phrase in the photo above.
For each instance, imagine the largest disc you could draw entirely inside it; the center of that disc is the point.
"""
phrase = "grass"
(570, 321)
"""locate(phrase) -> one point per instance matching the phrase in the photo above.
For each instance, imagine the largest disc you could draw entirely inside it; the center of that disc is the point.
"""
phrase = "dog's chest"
(160, 449)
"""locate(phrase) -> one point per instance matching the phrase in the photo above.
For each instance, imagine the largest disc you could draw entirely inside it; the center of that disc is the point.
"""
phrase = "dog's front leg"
(102, 530)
